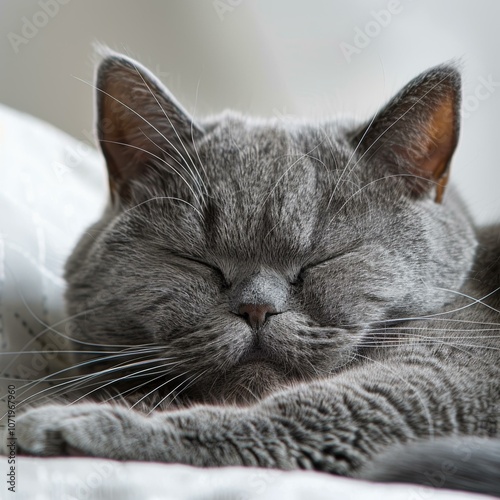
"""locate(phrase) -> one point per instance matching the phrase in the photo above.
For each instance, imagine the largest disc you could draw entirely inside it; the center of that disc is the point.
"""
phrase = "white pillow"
(51, 188)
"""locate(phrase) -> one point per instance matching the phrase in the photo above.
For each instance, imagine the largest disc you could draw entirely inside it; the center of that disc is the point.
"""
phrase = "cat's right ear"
(140, 125)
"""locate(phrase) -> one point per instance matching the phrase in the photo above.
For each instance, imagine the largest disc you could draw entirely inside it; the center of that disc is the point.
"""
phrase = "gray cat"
(294, 295)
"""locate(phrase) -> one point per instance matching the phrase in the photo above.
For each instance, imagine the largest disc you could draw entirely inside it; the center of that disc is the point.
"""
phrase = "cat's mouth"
(257, 354)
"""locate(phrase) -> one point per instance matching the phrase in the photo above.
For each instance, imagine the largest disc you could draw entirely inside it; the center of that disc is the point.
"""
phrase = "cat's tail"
(466, 464)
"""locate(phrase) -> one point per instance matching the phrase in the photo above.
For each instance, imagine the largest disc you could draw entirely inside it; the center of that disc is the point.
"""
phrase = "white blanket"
(51, 188)
(93, 479)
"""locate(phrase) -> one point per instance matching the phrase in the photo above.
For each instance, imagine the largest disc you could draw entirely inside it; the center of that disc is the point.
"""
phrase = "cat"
(299, 295)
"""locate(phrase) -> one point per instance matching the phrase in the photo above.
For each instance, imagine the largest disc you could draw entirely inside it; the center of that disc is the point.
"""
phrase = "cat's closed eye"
(318, 263)
(225, 283)
(299, 277)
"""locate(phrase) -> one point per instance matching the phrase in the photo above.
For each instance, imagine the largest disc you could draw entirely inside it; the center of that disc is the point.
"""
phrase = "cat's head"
(257, 252)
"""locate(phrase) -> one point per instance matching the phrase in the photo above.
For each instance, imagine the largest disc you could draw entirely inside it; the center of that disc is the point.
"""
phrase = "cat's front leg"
(89, 429)
(304, 428)
(336, 425)
(199, 436)
(203, 436)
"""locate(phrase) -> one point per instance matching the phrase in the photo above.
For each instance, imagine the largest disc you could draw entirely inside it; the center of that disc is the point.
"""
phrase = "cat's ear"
(139, 123)
(416, 133)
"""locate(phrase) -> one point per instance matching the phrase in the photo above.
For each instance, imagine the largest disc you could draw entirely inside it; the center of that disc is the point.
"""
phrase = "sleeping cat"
(294, 295)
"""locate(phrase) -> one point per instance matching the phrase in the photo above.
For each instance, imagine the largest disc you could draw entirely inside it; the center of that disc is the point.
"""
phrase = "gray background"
(263, 57)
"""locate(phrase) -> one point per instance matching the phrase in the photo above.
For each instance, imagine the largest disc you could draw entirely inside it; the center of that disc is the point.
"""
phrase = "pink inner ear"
(429, 149)
(139, 124)
(442, 139)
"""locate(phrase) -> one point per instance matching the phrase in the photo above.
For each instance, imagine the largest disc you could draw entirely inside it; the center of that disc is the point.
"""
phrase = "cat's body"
(310, 280)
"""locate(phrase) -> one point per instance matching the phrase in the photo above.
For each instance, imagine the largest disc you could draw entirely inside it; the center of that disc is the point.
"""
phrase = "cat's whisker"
(351, 358)
(409, 336)
(193, 139)
(80, 384)
(432, 320)
(157, 198)
(344, 170)
(333, 157)
(365, 186)
(434, 317)
(157, 388)
(70, 383)
(58, 351)
(51, 328)
(316, 370)
(415, 340)
(73, 384)
(196, 178)
(247, 390)
(302, 156)
(473, 299)
(135, 112)
(190, 381)
(46, 329)
(378, 340)
(160, 374)
(50, 378)
(452, 331)
(389, 127)
(271, 230)
(126, 377)
(148, 123)
(159, 159)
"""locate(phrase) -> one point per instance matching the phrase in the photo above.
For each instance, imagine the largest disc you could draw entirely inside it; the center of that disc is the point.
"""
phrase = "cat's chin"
(249, 382)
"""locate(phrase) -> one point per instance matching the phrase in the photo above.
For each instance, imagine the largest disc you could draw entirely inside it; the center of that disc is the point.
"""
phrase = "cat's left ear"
(414, 136)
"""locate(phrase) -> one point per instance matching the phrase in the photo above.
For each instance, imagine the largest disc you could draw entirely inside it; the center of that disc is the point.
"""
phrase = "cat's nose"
(256, 314)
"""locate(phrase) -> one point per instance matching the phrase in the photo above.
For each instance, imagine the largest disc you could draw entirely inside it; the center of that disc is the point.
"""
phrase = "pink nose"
(256, 314)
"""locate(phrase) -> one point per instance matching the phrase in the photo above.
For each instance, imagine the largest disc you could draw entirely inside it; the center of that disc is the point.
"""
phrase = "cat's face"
(259, 253)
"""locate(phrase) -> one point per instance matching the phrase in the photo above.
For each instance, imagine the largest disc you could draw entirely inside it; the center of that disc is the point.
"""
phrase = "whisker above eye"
(197, 178)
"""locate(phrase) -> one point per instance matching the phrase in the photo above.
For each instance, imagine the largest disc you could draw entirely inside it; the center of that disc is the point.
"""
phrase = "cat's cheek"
(187, 305)
(356, 289)
(327, 301)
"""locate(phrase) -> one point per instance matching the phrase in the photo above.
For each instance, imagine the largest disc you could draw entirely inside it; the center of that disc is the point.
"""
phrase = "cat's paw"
(89, 429)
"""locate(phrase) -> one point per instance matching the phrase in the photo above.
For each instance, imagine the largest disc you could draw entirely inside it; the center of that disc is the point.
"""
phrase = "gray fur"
(376, 341)
(468, 464)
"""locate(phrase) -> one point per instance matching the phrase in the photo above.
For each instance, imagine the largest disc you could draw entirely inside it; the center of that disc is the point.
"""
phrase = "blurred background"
(264, 57)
